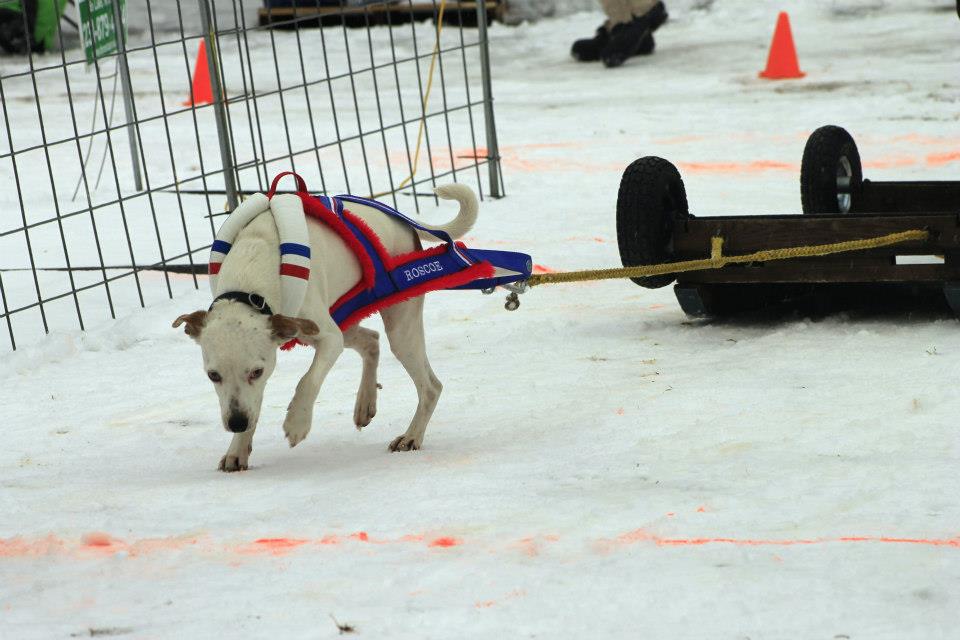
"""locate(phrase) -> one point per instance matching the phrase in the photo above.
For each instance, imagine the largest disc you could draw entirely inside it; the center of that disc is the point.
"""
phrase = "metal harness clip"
(515, 289)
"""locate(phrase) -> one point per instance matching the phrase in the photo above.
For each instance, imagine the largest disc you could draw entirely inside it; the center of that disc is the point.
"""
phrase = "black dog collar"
(251, 299)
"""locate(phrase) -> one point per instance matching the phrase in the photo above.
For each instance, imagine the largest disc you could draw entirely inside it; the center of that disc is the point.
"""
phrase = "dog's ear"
(194, 323)
(286, 328)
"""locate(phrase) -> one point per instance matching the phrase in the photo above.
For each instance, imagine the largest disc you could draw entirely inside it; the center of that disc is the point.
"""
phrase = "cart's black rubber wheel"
(830, 175)
(650, 202)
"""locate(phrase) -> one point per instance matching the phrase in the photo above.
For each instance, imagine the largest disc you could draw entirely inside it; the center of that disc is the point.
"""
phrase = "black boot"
(588, 49)
(625, 41)
(657, 16)
(647, 45)
(634, 37)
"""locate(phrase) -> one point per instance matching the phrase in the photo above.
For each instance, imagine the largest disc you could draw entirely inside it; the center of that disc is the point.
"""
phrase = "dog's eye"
(214, 376)
(256, 373)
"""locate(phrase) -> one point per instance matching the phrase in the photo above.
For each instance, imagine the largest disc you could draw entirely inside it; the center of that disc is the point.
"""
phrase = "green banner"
(97, 27)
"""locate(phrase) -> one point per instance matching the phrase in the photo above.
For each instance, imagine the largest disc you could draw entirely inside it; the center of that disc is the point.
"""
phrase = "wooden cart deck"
(714, 292)
(312, 16)
(746, 234)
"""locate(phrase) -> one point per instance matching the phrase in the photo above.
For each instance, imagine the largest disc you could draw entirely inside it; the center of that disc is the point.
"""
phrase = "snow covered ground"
(599, 465)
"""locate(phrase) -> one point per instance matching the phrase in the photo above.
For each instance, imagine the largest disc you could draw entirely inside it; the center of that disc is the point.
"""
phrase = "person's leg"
(621, 11)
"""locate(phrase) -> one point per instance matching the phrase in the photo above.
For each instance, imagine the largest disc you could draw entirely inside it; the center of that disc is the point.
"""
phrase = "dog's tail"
(461, 225)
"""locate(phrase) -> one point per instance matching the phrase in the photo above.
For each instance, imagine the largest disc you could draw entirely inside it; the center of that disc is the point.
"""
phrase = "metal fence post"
(219, 108)
(493, 149)
(127, 92)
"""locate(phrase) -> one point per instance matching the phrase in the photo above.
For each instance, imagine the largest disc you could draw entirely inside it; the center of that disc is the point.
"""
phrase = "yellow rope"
(426, 102)
(717, 260)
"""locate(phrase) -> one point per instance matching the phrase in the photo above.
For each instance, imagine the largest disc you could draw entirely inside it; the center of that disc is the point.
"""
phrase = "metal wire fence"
(113, 177)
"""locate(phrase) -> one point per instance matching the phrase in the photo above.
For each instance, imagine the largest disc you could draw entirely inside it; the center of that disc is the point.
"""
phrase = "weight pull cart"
(654, 226)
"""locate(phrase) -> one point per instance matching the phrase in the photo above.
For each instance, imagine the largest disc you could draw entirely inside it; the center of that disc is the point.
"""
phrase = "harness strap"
(301, 185)
(443, 236)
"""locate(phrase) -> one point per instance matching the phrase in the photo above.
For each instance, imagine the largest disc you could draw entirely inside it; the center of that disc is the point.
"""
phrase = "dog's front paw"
(406, 443)
(295, 430)
(231, 461)
(365, 408)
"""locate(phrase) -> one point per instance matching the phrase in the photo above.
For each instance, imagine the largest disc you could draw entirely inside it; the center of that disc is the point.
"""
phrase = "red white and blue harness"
(386, 280)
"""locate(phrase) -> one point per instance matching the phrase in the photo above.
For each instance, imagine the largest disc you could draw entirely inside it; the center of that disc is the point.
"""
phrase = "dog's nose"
(237, 423)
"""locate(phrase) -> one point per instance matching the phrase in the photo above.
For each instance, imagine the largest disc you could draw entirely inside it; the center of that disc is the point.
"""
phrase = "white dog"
(239, 342)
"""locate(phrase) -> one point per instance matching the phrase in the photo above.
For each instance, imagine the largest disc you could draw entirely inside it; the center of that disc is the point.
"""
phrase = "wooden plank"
(819, 271)
(276, 14)
(908, 197)
(746, 234)
(720, 300)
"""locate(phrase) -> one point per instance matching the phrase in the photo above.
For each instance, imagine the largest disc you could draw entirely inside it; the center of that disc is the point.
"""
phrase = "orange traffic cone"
(201, 92)
(782, 60)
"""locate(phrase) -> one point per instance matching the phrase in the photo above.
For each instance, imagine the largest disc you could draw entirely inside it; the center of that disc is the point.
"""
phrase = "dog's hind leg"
(404, 326)
(366, 342)
(328, 345)
(238, 453)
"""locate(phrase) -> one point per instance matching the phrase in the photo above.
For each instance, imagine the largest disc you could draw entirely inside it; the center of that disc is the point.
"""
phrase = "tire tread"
(644, 227)
(818, 180)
